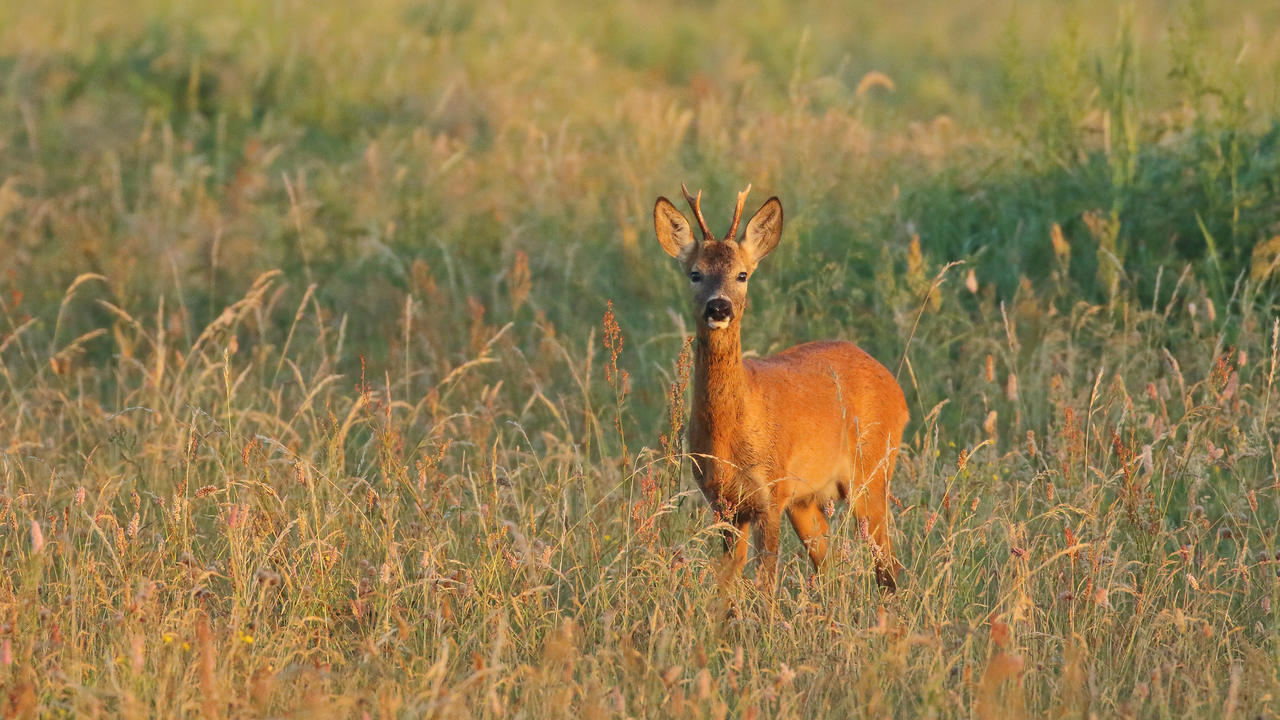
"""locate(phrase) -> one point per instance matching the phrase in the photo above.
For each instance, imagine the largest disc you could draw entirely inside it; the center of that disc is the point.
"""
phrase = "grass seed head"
(37, 538)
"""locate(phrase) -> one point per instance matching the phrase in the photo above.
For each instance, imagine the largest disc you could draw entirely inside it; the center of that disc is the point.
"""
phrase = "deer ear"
(764, 230)
(674, 233)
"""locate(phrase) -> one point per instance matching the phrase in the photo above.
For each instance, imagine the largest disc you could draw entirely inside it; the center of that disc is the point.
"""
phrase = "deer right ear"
(674, 233)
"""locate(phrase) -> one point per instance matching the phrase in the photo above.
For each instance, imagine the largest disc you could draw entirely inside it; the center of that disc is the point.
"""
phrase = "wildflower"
(612, 340)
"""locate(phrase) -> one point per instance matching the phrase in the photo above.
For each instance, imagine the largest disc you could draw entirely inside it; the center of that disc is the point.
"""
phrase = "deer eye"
(742, 277)
(695, 276)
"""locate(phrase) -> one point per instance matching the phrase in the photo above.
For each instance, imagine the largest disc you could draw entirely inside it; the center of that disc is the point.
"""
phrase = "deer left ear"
(764, 230)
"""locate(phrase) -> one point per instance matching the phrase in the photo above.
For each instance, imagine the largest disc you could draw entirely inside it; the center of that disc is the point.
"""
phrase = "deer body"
(788, 433)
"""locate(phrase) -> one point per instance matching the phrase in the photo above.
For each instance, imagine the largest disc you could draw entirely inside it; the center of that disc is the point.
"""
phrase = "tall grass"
(341, 374)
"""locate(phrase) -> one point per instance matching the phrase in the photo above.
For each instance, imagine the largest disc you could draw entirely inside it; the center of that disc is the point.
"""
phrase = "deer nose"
(718, 310)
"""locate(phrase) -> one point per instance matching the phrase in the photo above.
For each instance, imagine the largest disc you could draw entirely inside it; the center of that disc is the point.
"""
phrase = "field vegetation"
(341, 374)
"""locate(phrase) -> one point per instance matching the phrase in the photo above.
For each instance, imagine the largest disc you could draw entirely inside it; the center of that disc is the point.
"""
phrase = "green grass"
(307, 403)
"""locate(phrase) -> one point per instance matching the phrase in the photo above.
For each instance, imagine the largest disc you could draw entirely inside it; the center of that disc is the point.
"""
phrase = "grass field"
(341, 374)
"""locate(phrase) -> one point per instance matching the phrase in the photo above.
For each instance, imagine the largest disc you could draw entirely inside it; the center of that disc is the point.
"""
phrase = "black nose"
(718, 310)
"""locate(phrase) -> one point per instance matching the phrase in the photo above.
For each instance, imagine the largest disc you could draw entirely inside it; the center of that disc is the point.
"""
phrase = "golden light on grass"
(519, 281)
(308, 405)
(872, 80)
(1061, 249)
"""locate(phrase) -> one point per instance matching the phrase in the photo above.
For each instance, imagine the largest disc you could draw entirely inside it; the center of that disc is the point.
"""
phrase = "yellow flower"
(246, 638)
(168, 638)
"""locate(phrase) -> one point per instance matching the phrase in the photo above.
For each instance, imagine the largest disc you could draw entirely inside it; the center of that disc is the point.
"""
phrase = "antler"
(737, 214)
(696, 204)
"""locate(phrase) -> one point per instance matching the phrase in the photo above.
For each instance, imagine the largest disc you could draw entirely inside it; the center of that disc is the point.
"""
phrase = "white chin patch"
(717, 324)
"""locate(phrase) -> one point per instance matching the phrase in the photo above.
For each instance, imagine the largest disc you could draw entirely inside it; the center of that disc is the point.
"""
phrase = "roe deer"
(786, 433)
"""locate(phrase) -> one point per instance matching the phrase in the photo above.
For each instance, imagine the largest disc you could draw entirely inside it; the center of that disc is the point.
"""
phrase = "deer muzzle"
(718, 313)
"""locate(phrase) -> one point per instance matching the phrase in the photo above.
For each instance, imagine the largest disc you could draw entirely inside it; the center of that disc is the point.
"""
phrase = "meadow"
(341, 374)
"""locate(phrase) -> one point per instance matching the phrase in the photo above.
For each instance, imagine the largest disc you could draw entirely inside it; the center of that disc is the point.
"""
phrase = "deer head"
(718, 269)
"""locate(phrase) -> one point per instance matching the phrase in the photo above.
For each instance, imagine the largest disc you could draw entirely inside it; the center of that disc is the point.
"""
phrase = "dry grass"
(427, 468)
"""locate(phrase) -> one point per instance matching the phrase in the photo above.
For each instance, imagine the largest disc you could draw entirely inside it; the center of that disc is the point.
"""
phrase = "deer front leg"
(736, 542)
(768, 531)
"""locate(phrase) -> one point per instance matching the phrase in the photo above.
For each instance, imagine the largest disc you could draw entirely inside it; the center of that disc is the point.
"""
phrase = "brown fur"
(788, 433)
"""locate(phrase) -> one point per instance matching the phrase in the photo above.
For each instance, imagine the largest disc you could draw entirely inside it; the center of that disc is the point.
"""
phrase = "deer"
(790, 433)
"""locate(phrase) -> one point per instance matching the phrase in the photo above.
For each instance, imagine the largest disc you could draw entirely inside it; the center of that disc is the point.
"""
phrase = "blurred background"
(183, 147)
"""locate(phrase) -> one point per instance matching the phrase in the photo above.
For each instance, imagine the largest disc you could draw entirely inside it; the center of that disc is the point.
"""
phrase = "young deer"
(786, 433)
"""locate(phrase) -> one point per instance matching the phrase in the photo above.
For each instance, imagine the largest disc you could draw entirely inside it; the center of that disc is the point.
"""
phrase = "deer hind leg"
(870, 504)
(810, 523)
(871, 507)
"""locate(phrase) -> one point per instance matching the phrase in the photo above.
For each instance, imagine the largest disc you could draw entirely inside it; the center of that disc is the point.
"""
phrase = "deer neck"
(720, 385)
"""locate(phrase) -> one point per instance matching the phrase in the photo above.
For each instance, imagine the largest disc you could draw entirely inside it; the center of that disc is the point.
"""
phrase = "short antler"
(737, 214)
(696, 204)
